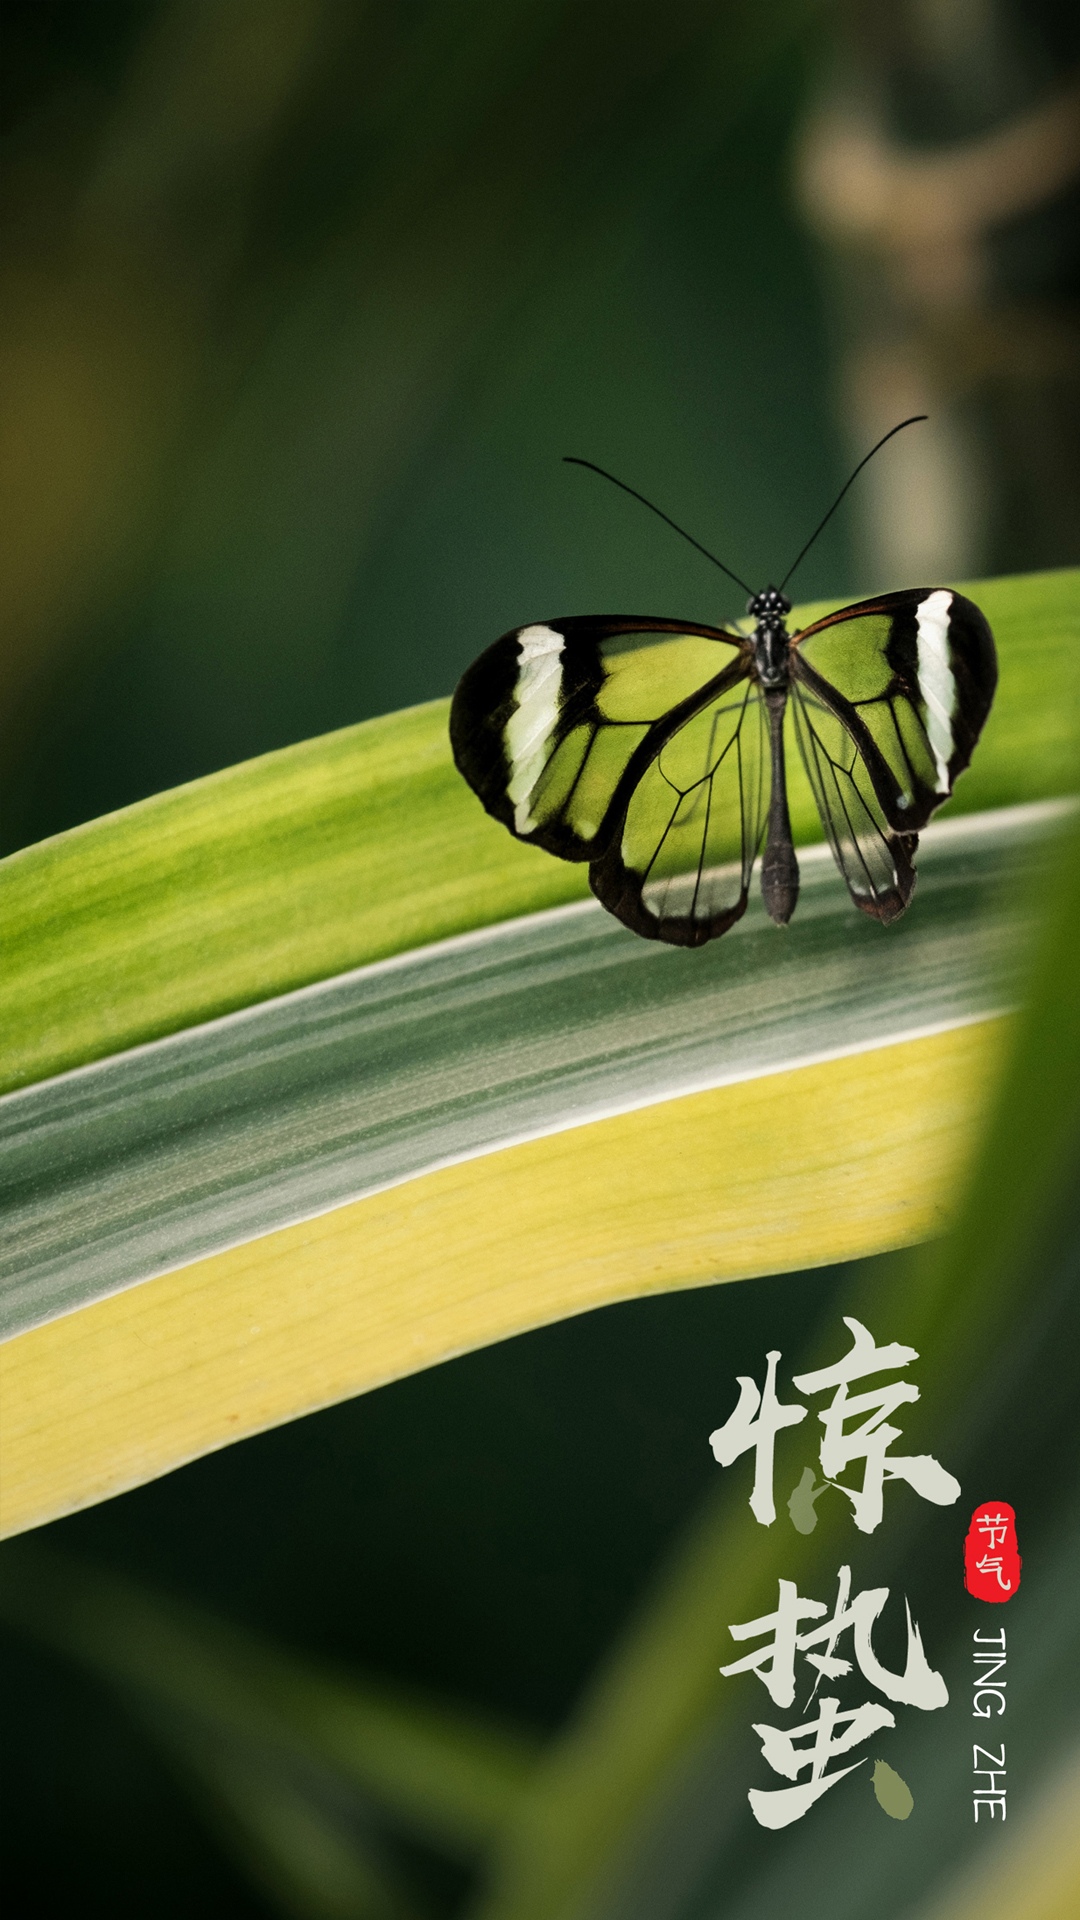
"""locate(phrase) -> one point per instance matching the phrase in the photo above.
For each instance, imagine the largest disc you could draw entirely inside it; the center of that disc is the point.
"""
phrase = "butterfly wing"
(909, 678)
(684, 837)
(553, 724)
(876, 862)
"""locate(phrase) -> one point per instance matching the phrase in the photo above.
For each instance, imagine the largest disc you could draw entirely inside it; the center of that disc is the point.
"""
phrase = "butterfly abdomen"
(779, 867)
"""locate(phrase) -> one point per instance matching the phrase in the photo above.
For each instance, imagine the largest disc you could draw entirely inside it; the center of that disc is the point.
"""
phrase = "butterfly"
(655, 748)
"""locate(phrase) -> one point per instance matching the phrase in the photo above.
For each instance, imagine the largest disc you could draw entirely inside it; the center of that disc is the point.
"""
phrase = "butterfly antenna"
(885, 436)
(572, 461)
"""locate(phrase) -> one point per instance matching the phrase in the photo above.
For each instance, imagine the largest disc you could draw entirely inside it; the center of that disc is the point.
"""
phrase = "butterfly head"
(769, 608)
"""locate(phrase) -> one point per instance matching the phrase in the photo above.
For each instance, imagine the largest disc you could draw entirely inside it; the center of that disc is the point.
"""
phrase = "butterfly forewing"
(876, 862)
(910, 676)
(551, 724)
(678, 865)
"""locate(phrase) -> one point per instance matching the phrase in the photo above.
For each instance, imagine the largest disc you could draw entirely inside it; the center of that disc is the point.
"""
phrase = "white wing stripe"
(936, 682)
(535, 717)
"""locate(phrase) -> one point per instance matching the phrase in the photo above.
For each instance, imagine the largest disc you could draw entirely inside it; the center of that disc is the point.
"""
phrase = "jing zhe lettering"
(856, 1431)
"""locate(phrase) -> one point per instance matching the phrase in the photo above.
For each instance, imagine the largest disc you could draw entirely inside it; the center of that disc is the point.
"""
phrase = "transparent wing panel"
(678, 868)
(876, 862)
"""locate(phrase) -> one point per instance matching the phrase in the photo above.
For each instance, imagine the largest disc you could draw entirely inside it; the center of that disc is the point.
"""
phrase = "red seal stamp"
(991, 1560)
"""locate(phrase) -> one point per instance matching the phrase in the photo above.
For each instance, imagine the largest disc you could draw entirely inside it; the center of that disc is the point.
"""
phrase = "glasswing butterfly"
(633, 743)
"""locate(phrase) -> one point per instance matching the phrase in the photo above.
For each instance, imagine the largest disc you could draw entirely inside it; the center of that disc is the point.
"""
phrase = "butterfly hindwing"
(876, 862)
(910, 677)
(551, 725)
(678, 862)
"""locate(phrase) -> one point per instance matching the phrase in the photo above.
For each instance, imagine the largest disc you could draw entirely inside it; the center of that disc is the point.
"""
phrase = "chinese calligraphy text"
(856, 1427)
(856, 1432)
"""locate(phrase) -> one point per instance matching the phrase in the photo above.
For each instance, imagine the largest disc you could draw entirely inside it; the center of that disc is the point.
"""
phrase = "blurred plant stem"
(940, 164)
(301, 1769)
(453, 1777)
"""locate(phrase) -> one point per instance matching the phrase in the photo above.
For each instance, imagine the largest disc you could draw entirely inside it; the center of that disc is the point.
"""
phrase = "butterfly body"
(771, 644)
(771, 640)
(626, 741)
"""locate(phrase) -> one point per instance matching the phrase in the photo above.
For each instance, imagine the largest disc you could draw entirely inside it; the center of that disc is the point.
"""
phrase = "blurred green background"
(310, 299)
(303, 302)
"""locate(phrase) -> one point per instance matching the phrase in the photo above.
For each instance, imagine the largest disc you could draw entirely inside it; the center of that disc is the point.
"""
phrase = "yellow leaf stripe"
(817, 1164)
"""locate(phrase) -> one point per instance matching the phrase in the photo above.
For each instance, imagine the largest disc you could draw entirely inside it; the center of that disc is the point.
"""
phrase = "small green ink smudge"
(801, 1503)
(893, 1794)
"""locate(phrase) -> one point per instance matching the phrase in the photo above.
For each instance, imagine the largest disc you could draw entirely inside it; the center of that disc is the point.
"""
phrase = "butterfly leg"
(779, 868)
